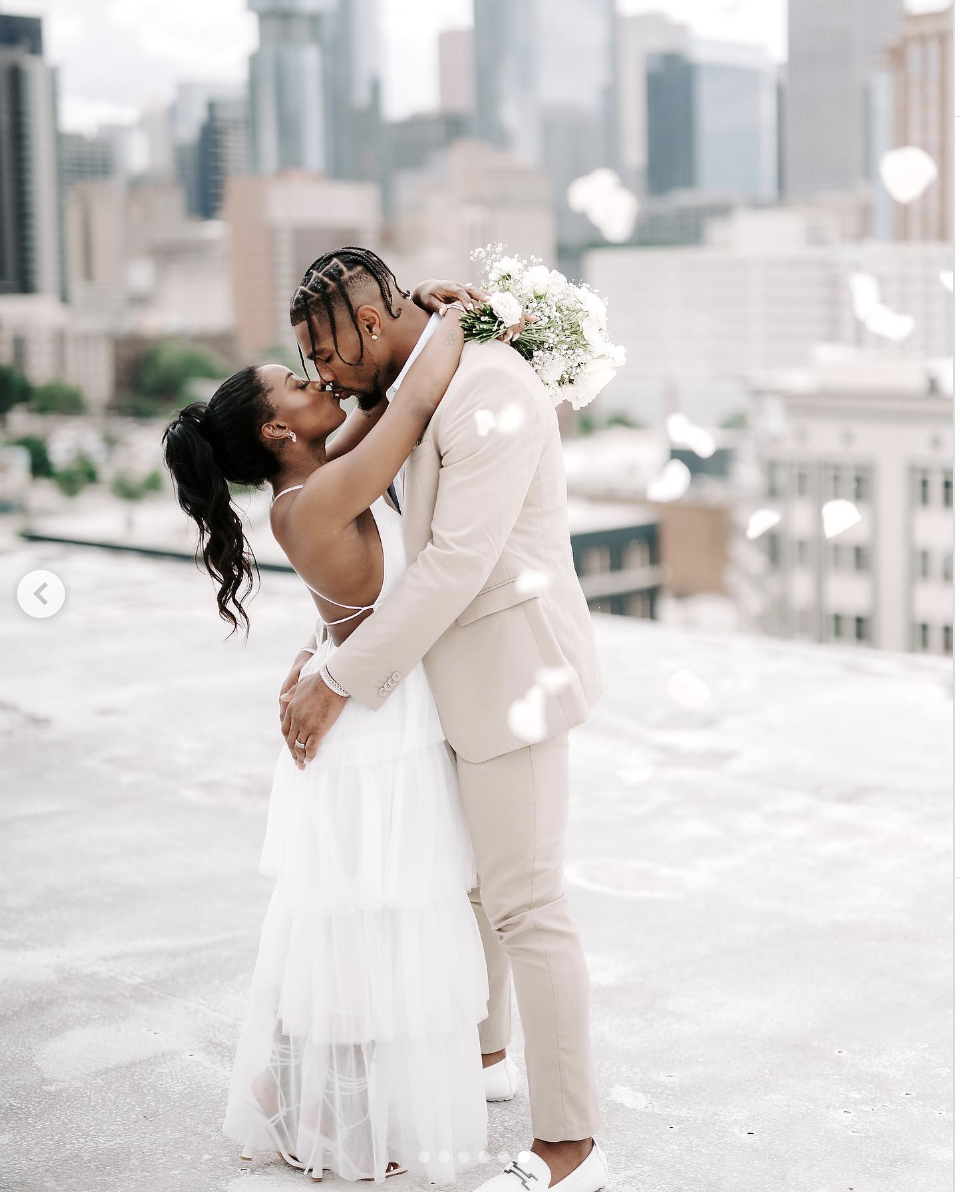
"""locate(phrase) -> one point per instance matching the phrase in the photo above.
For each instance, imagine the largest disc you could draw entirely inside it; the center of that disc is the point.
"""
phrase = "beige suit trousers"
(516, 806)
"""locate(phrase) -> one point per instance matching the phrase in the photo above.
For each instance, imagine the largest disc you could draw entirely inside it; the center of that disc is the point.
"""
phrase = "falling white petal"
(688, 689)
(671, 484)
(554, 678)
(606, 202)
(838, 516)
(907, 172)
(761, 521)
(532, 583)
(510, 419)
(685, 433)
(946, 279)
(631, 1098)
(526, 718)
(865, 289)
(888, 324)
(486, 420)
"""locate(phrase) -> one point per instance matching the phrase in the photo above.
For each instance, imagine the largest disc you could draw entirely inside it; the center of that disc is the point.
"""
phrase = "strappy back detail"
(357, 608)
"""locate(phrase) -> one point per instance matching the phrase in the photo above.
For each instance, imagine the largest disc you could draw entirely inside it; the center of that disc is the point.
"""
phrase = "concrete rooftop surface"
(759, 862)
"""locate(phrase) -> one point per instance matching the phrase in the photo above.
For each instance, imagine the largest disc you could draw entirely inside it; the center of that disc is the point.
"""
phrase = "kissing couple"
(416, 840)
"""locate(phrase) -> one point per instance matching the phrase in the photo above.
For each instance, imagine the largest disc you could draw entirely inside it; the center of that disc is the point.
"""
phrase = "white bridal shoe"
(529, 1173)
(500, 1080)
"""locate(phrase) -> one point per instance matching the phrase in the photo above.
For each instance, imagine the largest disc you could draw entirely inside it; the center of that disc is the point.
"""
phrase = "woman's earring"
(292, 436)
(373, 337)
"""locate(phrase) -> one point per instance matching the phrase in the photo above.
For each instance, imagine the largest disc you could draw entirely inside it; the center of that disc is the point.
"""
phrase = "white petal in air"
(685, 433)
(606, 202)
(888, 324)
(761, 521)
(907, 172)
(526, 717)
(554, 678)
(865, 290)
(532, 583)
(946, 279)
(839, 516)
(688, 689)
(510, 419)
(671, 484)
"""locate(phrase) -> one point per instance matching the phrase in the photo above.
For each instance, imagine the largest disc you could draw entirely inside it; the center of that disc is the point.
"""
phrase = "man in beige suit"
(492, 604)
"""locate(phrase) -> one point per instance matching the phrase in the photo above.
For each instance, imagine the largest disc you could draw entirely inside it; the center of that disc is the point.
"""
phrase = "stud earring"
(292, 436)
(373, 337)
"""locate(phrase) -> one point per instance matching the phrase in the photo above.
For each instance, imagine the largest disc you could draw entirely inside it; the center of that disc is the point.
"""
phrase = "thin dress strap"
(359, 608)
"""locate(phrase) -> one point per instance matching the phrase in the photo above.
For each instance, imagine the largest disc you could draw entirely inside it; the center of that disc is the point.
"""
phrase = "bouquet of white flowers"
(568, 345)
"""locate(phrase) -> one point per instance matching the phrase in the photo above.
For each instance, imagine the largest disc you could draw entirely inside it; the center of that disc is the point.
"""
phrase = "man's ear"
(370, 320)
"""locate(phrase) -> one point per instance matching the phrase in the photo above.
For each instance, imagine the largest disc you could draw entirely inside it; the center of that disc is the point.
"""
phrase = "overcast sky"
(117, 55)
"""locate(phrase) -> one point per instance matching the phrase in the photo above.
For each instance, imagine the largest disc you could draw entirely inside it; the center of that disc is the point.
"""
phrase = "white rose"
(617, 355)
(506, 308)
(505, 267)
(594, 375)
(593, 304)
(538, 279)
(550, 367)
(593, 333)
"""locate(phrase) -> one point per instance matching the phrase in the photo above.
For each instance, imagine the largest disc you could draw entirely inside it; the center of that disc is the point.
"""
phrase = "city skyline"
(114, 61)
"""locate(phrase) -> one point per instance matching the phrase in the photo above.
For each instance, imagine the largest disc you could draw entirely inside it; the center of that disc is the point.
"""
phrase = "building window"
(924, 489)
(861, 558)
(640, 604)
(948, 639)
(923, 564)
(803, 553)
(773, 481)
(773, 549)
(836, 484)
(802, 482)
(861, 488)
(862, 629)
(594, 560)
(837, 626)
(838, 553)
(948, 492)
(922, 635)
(20, 352)
(948, 567)
(636, 554)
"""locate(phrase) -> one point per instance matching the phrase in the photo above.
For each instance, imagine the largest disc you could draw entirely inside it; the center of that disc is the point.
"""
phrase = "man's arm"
(484, 480)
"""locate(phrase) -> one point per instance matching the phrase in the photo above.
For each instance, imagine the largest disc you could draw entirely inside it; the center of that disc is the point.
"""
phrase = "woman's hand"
(434, 295)
(293, 677)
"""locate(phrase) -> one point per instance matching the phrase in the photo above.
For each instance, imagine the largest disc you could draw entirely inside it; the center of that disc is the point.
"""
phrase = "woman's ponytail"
(207, 447)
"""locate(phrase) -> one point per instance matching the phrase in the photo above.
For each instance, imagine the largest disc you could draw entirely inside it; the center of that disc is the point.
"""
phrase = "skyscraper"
(545, 74)
(712, 121)
(221, 152)
(315, 88)
(835, 46)
(31, 258)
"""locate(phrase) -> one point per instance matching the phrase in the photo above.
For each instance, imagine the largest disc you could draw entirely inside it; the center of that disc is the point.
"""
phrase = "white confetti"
(907, 172)
(526, 718)
(532, 583)
(685, 433)
(761, 521)
(688, 689)
(671, 484)
(946, 279)
(871, 311)
(554, 678)
(838, 516)
(507, 422)
(606, 202)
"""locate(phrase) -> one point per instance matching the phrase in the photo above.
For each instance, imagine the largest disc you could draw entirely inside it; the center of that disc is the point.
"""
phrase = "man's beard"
(368, 401)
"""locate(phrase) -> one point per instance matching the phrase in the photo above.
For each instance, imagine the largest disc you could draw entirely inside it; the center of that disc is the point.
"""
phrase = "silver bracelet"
(332, 683)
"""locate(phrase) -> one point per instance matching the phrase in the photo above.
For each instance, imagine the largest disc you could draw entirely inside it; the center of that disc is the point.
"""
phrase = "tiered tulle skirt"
(360, 1047)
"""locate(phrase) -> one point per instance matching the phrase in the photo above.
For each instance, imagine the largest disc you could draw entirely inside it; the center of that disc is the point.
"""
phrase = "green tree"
(40, 464)
(57, 397)
(170, 364)
(14, 389)
(76, 475)
(735, 421)
(620, 419)
(586, 423)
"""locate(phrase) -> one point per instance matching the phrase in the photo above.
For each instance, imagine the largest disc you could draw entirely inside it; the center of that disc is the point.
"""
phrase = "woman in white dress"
(359, 1053)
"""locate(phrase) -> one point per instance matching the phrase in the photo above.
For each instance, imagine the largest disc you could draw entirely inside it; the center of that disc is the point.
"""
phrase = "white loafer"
(529, 1173)
(500, 1080)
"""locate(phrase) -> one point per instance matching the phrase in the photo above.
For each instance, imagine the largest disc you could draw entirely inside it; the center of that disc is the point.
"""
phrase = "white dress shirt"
(432, 324)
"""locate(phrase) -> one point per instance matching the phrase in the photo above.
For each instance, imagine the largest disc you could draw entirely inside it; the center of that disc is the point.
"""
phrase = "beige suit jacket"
(485, 502)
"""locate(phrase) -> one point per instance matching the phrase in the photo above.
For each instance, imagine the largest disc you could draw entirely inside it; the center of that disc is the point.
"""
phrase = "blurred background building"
(785, 294)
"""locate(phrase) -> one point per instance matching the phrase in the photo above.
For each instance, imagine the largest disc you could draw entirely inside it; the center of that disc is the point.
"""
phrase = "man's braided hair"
(329, 281)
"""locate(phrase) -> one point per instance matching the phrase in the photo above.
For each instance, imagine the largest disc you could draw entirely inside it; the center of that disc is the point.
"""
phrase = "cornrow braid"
(328, 281)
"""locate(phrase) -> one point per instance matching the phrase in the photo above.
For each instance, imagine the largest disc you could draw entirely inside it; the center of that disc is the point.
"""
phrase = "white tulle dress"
(360, 1046)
